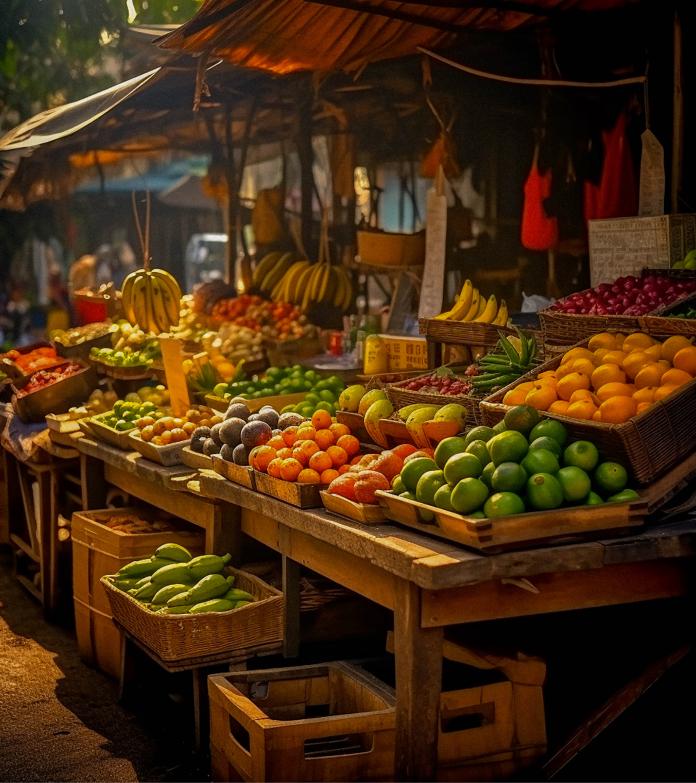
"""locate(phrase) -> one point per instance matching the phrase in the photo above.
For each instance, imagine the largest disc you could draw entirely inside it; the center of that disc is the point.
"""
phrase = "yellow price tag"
(173, 360)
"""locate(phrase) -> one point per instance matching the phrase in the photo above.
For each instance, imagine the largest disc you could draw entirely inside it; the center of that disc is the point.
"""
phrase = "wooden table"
(168, 488)
(431, 584)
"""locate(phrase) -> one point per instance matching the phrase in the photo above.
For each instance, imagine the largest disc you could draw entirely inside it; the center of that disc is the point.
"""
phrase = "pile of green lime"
(523, 463)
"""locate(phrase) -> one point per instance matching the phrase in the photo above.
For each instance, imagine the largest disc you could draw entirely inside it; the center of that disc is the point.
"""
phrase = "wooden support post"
(305, 153)
(418, 658)
(677, 116)
(93, 483)
(291, 590)
(232, 200)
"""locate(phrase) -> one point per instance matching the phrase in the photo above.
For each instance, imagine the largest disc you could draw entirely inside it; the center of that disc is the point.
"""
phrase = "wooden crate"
(196, 460)
(111, 436)
(168, 455)
(492, 730)
(461, 332)
(367, 513)
(238, 474)
(331, 722)
(301, 495)
(187, 637)
(518, 531)
(99, 550)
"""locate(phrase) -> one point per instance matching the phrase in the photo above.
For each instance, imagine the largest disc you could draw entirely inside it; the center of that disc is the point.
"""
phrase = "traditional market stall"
(227, 482)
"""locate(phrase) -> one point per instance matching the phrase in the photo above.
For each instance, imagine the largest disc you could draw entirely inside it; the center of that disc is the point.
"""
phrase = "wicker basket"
(180, 637)
(399, 396)
(385, 248)
(461, 332)
(567, 329)
(648, 444)
(666, 324)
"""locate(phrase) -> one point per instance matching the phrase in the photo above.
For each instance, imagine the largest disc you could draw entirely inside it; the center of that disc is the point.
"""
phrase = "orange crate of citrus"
(632, 394)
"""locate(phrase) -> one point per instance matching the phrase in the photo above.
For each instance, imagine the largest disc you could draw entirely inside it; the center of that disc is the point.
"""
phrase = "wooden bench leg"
(126, 671)
(291, 590)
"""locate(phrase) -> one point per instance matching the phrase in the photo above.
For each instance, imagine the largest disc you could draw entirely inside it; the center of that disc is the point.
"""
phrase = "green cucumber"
(169, 591)
(174, 573)
(175, 552)
(207, 564)
(142, 568)
(215, 605)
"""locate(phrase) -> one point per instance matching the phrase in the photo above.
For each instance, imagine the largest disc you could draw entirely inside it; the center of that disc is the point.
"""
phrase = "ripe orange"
(618, 409)
(634, 362)
(572, 382)
(685, 359)
(614, 357)
(261, 456)
(306, 432)
(547, 380)
(541, 397)
(545, 374)
(582, 409)
(675, 377)
(515, 396)
(324, 439)
(584, 394)
(338, 456)
(321, 420)
(284, 453)
(320, 461)
(654, 352)
(300, 455)
(274, 467)
(339, 429)
(614, 390)
(637, 340)
(597, 415)
(577, 353)
(309, 476)
(607, 373)
(290, 435)
(645, 394)
(601, 340)
(600, 353)
(328, 475)
(564, 368)
(672, 345)
(649, 375)
(559, 407)
(276, 442)
(584, 366)
(350, 444)
(290, 469)
(664, 391)
(308, 446)
(642, 406)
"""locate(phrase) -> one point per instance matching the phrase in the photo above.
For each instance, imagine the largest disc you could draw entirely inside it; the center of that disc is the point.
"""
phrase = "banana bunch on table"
(471, 306)
(151, 299)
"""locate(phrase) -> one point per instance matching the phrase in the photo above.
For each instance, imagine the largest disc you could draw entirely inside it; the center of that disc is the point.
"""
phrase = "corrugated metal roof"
(327, 35)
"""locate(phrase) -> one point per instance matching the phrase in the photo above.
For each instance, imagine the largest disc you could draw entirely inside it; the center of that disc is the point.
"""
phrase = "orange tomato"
(618, 409)
(572, 382)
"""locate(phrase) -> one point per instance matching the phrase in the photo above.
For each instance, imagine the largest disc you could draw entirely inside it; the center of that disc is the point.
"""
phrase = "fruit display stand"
(517, 531)
(169, 455)
(277, 401)
(192, 459)
(329, 722)
(108, 434)
(99, 550)
(300, 495)
(282, 353)
(649, 444)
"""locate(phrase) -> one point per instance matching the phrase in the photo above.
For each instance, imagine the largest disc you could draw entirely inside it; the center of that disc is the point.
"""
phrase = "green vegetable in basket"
(207, 564)
(211, 586)
(174, 573)
(146, 592)
(215, 605)
(126, 584)
(174, 609)
(240, 604)
(175, 552)
(235, 594)
(169, 591)
(142, 568)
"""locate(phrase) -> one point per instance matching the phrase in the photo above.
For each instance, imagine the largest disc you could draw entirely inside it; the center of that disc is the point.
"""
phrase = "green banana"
(169, 591)
(146, 592)
(214, 605)
(141, 568)
(175, 552)
(174, 573)
(207, 564)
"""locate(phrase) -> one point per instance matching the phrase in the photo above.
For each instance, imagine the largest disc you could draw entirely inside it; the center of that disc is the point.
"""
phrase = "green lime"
(549, 428)
(581, 454)
(327, 396)
(575, 483)
(428, 484)
(469, 495)
(325, 406)
(462, 466)
(414, 469)
(545, 442)
(477, 515)
(447, 448)
(219, 389)
(398, 485)
(499, 427)
(507, 447)
(593, 499)
(407, 495)
(544, 492)
(521, 418)
(479, 433)
(312, 397)
(443, 498)
(122, 425)
(479, 449)
(509, 477)
(610, 477)
(625, 496)
(540, 461)
(487, 474)
(503, 504)
(425, 516)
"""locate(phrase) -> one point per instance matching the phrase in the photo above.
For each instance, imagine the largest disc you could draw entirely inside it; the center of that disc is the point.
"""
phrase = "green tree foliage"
(52, 51)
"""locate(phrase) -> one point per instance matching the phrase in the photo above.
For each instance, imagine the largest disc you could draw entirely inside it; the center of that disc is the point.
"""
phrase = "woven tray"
(400, 396)
(180, 636)
(666, 324)
(648, 444)
(113, 437)
(567, 328)
(168, 455)
(461, 332)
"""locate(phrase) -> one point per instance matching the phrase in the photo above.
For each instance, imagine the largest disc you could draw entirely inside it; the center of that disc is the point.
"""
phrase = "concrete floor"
(60, 720)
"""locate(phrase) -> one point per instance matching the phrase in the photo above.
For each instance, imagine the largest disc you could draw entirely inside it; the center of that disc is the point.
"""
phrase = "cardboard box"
(406, 353)
(624, 246)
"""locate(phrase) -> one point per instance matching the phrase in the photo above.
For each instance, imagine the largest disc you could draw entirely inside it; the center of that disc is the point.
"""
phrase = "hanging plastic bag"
(538, 230)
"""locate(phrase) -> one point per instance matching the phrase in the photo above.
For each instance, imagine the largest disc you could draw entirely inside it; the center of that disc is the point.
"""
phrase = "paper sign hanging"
(435, 245)
(173, 360)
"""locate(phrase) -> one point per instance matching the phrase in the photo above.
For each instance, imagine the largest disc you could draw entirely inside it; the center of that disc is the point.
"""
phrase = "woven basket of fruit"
(629, 402)
(676, 319)
(77, 343)
(616, 306)
(440, 387)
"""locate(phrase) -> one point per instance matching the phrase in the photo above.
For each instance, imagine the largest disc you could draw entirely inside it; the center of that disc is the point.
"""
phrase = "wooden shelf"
(30, 586)
(20, 543)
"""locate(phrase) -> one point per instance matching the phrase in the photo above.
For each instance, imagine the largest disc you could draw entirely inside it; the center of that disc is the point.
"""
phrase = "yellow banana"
(127, 296)
(502, 316)
(171, 295)
(473, 310)
(158, 314)
(264, 267)
(292, 277)
(461, 308)
(490, 311)
(302, 284)
(141, 302)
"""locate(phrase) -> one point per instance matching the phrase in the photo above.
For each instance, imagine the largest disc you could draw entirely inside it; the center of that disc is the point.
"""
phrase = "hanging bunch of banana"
(471, 306)
(150, 298)
(270, 270)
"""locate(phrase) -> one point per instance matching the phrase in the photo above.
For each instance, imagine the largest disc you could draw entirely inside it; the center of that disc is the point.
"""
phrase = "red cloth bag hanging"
(539, 231)
(617, 192)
